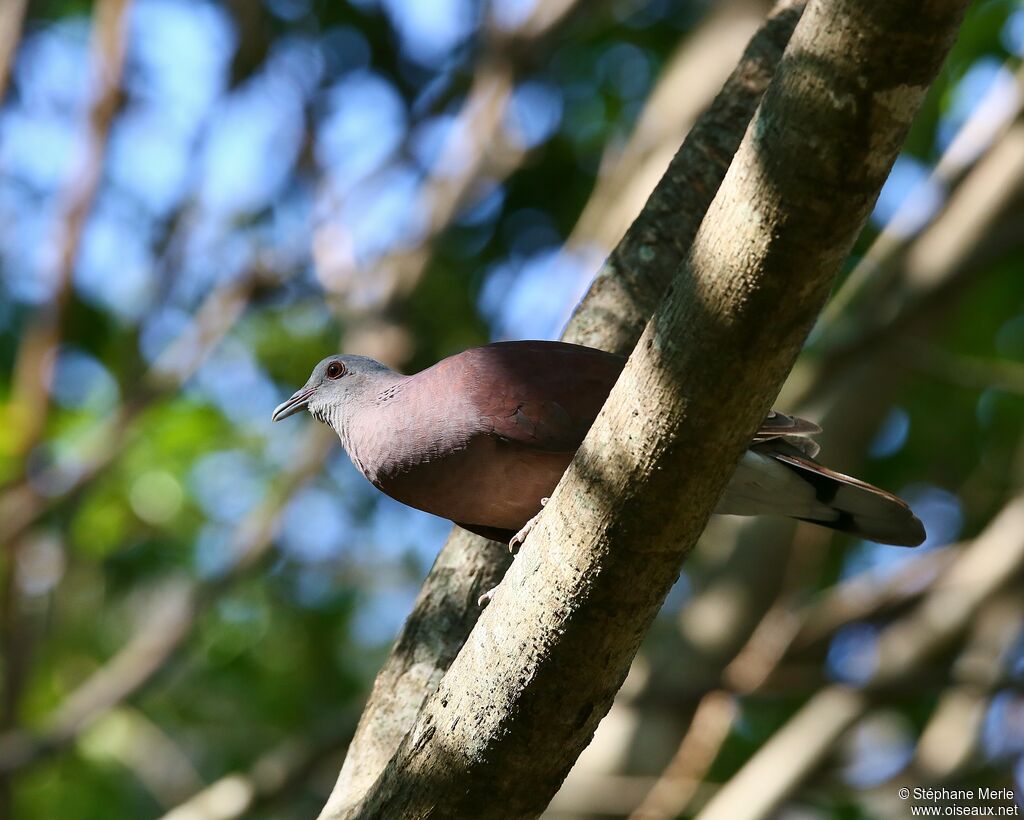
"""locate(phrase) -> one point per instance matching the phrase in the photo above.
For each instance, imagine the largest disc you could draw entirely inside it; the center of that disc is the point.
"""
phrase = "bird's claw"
(520, 537)
(513, 546)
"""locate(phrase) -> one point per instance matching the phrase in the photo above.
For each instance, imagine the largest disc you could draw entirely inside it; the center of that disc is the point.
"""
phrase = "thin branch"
(952, 736)
(987, 564)
(990, 117)
(35, 359)
(478, 149)
(938, 264)
(21, 505)
(36, 355)
(690, 81)
(12, 18)
(682, 778)
(161, 635)
(272, 776)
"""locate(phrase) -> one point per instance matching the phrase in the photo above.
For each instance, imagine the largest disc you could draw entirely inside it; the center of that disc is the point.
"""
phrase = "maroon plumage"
(481, 437)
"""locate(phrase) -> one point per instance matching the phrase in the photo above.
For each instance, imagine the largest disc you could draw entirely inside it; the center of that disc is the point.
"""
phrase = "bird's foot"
(513, 546)
(520, 537)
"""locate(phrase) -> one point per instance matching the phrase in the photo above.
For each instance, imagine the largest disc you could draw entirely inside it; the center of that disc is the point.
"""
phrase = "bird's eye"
(335, 370)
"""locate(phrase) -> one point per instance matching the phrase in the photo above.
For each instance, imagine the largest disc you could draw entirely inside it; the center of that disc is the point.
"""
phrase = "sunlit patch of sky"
(40, 150)
(284, 442)
(227, 485)
(853, 654)
(177, 68)
(349, 485)
(49, 71)
(363, 122)
(253, 140)
(149, 160)
(232, 380)
(29, 270)
(484, 206)
(626, 69)
(429, 30)
(892, 434)
(161, 328)
(1012, 34)
(308, 584)
(678, 596)
(909, 199)
(940, 511)
(396, 532)
(115, 267)
(877, 749)
(313, 526)
(289, 226)
(384, 212)
(81, 382)
(214, 253)
(179, 55)
(532, 297)
(534, 113)
(429, 138)
(381, 613)
(213, 550)
(508, 15)
(984, 75)
(455, 148)
(1002, 735)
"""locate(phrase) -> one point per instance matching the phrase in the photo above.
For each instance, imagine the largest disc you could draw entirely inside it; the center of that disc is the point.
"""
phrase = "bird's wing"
(541, 425)
(540, 395)
(790, 429)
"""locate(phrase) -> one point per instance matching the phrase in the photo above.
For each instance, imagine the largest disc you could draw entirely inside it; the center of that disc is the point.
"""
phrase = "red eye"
(335, 370)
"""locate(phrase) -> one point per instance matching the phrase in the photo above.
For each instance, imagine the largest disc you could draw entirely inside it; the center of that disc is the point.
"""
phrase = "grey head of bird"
(338, 387)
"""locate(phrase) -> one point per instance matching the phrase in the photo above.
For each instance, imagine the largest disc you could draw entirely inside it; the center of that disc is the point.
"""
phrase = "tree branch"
(987, 565)
(12, 18)
(446, 610)
(538, 673)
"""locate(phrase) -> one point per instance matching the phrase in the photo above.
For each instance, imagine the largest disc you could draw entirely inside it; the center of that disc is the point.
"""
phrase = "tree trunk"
(524, 696)
(611, 316)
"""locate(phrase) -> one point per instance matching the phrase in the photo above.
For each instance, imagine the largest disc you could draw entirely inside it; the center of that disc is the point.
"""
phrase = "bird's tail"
(778, 478)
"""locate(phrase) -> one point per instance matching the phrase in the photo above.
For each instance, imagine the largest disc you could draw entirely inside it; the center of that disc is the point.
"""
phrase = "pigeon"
(482, 438)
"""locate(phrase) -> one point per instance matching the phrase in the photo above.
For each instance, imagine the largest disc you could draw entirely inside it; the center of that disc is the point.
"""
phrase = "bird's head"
(337, 385)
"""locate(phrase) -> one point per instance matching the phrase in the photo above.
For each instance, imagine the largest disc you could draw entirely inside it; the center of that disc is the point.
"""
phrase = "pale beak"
(294, 405)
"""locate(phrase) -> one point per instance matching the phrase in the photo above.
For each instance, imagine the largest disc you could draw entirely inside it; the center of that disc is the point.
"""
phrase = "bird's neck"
(368, 431)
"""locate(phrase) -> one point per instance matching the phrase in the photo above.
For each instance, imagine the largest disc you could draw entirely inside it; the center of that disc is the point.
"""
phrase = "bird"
(482, 438)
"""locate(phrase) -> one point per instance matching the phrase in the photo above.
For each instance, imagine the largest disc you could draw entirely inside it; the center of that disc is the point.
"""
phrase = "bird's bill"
(294, 405)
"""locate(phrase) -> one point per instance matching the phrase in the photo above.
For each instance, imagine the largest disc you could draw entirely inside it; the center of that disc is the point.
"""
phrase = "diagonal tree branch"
(523, 697)
(611, 316)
